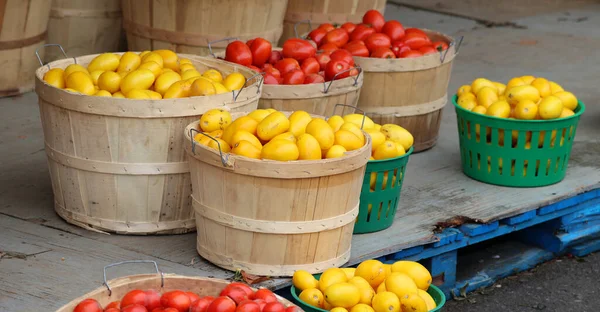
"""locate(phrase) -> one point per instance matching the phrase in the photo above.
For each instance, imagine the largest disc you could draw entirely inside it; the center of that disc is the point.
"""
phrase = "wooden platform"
(46, 262)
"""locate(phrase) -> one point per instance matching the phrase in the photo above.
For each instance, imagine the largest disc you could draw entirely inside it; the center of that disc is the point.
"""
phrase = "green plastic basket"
(378, 204)
(508, 160)
(435, 293)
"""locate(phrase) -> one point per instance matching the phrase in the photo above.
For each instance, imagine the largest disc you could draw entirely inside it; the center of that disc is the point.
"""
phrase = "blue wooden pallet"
(568, 226)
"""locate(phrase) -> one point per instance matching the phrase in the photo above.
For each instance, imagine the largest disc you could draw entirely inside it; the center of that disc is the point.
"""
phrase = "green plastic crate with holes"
(379, 195)
(515, 153)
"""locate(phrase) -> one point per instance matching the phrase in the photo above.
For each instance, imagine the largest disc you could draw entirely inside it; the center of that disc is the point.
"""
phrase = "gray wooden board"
(435, 188)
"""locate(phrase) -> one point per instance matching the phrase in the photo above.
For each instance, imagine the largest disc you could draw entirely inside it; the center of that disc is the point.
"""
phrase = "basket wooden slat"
(84, 27)
(272, 218)
(409, 92)
(23, 29)
(188, 26)
(118, 165)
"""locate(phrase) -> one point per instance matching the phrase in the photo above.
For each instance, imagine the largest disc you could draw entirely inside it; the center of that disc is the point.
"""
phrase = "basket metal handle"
(327, 84)
(235, 95)
(228, 39)
(443, 54)
(355, 109)
(307, 21)
(37, 53)
(162, 278)
(224, 158)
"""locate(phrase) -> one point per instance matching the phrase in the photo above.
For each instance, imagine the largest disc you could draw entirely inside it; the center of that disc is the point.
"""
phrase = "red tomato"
(238, 52)
(249, 42)
(349, 27)
(428, 50)
(298, 49)
(399, 47)
(193, 297)
(313, 78)
(265, 294)
(135, 296)
(248, 306)
(243, 286)
(294, 77)
(112, 310)
(375, 19)
(415, 41)
(201, 305)
(261, 303)
(114, 304)
(261, 51)
(338, 36)
(361, 32)
(176, 299)
(152, 300)
(383, 53)
(440, 45)
(375, 41)
(310, 66)
(274, 307)
(410, 53)
(236, 293)
(88, 305)
(292, 309)
(415, 31)
(343, 55)
(165, 310)
(317, 35)
(275, 57)
(269, 69)
(254, 68)
(286, 65)
(222, 304)
(358, 50)
(327, 26)
(393, 29)
(328, 47)
(323, 59)
(134, 308)
(336, 67)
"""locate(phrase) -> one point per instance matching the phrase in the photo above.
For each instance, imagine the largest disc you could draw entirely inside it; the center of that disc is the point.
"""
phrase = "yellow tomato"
(109, 81)
(55, 78)
(298, 122)
(335, 151)
(105, 62)
(246, 149)
(234, 81)
(140, 79)
(202, 87)
(282, 150)
(165, 80)
(321, 130)
(214, 75)
(273, 125)
(81, 82)
(129, 62)
(151, 66)
(170, 59)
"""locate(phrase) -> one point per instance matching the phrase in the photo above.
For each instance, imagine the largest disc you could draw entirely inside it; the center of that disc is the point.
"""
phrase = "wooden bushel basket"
(188, 26)
(410, 92)
(85, 27)
(23, 25)
(115, 289)
(117, 164)
(271, 217)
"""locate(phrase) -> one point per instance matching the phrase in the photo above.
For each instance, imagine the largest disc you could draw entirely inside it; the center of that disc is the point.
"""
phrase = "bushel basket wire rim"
(436, 293)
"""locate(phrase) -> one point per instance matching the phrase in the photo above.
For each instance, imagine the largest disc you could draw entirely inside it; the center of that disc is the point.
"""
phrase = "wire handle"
(228, 39)
(327, 86)
(355, 109)
(162, 278)
(443, 55)
(307, 21)
(51, 45)
(235, 96)
(224, 159)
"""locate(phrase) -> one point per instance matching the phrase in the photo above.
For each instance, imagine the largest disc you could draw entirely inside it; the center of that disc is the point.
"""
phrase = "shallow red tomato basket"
(115, 289)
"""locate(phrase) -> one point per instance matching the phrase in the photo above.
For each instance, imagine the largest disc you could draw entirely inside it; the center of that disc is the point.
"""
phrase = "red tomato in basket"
(336, 69)
(275, 57)
(176, 299)
(310, 66)
(327, 26)
(248, 306)
(361, 32)
(294, 77)
(410, 53)
(243, 286)
(357, 48)
(261, 51)
(349, 27)
(317, 35)
(270, 79)
(88, 305)
(152, 300)
(399, 47)
(201, 305)
(328, 48)
(292, 309)
(274, 307)
(270, 69)
(193, 297)
(261, 303)
(440, 45)
(239, 53)
(165, 310)
(249, 42)
(254, 68)
(112, 310)
(378, 40)
(338, 36)
(428, 50)
(135, 296)
(222, 304)
(265, 295)
(413, 30)
(114, 304)
(236, 293)
(343, 55)
(375, 19)
(134, 308)
(323, 59)
(286, 65)
(393, 29)
(298, 49)
(313, 78)
(383, 53)
(415, 41)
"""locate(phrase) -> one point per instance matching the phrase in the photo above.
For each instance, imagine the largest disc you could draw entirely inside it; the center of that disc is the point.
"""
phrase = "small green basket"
(379, 200)
(515, 153)
(435, 293)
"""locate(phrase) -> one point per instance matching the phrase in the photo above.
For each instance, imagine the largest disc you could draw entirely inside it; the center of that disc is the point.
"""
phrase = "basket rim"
(579, 111)
(380, 161)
